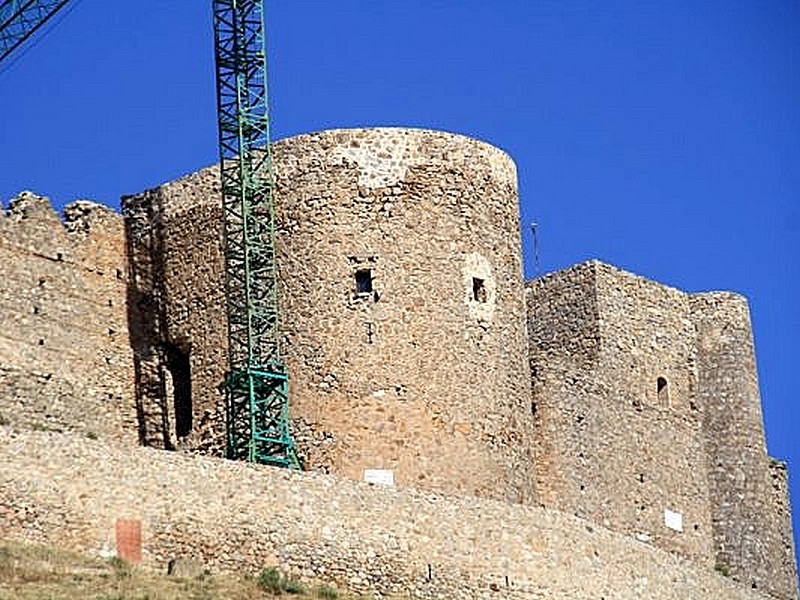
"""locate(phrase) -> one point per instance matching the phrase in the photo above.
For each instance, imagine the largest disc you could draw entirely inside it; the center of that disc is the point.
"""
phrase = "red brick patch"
(129, 540)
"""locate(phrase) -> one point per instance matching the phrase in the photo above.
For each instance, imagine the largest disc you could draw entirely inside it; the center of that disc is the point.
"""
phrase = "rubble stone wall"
(423, 371)
(608, 449)
(648, 420)
(65, 360)
(751, 518)
(616, 403)
(364, 538)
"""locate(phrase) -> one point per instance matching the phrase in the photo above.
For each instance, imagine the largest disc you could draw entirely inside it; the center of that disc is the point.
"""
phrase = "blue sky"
(663, 137)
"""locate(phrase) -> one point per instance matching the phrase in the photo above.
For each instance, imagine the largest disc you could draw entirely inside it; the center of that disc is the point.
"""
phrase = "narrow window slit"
(478, 289)
(662, 389)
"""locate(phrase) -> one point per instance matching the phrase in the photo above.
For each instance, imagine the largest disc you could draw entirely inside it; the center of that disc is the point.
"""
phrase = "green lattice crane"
(256, 385)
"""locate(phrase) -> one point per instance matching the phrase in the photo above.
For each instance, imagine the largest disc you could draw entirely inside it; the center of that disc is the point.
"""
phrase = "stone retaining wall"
(70, 492)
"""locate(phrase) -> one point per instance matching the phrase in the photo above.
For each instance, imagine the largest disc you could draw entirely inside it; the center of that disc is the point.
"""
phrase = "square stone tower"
(648, 420)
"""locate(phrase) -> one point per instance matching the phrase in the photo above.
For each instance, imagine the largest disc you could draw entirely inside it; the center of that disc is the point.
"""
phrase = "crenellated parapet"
(86, 234)
(64, 351)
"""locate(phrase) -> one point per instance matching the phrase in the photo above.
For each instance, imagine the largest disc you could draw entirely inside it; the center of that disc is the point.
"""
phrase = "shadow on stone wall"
(146, 316)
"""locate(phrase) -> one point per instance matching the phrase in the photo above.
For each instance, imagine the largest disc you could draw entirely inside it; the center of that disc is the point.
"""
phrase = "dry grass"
(40, 573)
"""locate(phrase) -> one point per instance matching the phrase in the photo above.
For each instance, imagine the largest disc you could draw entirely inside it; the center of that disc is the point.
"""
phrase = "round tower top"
(383, 154)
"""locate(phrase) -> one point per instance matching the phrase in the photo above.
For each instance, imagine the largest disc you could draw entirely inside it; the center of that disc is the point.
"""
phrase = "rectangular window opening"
(478, 289)
(364, 281)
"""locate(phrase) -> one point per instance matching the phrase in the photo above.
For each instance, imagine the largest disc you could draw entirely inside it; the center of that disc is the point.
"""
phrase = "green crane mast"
(19, 19)
(256, 383)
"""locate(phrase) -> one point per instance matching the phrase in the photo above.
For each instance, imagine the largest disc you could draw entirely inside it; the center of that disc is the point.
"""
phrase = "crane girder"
(256, 385)
(19, 19)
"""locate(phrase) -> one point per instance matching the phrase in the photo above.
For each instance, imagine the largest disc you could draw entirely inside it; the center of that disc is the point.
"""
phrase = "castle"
(590, 432)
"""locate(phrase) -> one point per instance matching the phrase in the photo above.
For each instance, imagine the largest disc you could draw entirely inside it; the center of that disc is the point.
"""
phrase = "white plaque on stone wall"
(673, 520)
(379, 476)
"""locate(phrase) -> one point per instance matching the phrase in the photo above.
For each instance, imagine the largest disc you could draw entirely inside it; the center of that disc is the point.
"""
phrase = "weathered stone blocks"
(648, 420)
(629, 404)
(65, 359)
(401, 301)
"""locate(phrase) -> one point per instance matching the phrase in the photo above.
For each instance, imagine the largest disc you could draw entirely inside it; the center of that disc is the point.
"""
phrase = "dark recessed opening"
(59, 256)
(662, 389)
(364, 281)
(179, 367)
(478, 289)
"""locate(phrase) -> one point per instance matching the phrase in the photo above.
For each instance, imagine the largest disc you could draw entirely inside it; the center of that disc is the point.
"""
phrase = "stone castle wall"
(367, 539)
(644, 416)
(608, 449)
(751, 529)
(65, 359)
(425, 370)
(647, 423)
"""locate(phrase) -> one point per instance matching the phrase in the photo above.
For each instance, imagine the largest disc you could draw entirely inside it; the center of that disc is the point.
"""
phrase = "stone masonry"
(365, 538)
(589, 434)
(419, 373)
(64, 349)
(649, 422)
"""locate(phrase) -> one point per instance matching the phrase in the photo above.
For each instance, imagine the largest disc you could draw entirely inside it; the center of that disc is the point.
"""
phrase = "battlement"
(85, 233)
(82, 217)
(64, 355)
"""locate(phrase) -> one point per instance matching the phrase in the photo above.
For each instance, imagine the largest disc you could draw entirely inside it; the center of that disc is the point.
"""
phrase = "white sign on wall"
(673, 520)
(379, 476)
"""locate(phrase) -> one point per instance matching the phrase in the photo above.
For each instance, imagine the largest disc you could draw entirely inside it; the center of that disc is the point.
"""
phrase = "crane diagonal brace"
(19, 19)
(256, 384)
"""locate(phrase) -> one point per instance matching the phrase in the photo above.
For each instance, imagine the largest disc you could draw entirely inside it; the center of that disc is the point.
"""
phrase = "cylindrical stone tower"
(751, 520)
(402, 306)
